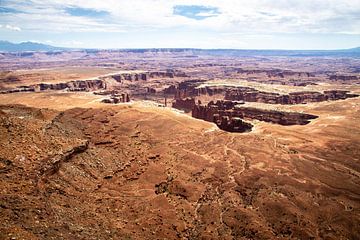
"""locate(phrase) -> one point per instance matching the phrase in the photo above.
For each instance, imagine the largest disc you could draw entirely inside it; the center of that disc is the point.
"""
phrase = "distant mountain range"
(6, 46)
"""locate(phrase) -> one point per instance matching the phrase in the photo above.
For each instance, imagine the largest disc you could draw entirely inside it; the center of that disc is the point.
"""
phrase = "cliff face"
(147, 75)
(130, 77)
(343, 77)
(278, 117)
(79, 85)
(252, 95)
(186, 104)
(191, 89)
(226, 122)
(215, 112)
(276, 73)
(117, 98)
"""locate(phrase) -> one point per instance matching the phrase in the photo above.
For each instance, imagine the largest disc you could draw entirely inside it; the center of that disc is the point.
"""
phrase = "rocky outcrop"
(150, 90)
(253, 95)
(185, 104)
(191, 88)
(275, 73)
(232, 124)
(18, 89)
(144, 76)
(162, 74)
(107, 92)
(215, 112)
(117, 98)
(288, 82)
(343, 77)
(130, 77)
(53, 164)
(78, 85)
(170, 90)
(278, 117)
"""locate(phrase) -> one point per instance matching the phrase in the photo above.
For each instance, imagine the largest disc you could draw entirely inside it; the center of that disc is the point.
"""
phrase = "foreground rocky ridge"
(113, 173)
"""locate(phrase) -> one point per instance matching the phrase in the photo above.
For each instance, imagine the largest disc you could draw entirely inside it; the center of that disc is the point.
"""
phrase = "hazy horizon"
(229, 24)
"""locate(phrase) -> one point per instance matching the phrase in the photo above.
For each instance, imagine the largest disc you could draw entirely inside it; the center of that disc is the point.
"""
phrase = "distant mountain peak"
(6, 46)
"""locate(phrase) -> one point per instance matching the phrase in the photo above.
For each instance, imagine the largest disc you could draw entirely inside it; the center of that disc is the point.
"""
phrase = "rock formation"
(278, 117)
(144, 76)
(191, 89)
(343, 77)
(18, 89)
(212, 113)
(215, 112)
(117, 98)
(186, 104)
(253, 95)
(272, 73)
(77, 85)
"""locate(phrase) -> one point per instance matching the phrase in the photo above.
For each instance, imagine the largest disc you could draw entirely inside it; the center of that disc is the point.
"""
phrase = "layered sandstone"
(253, 95)
(273, 73)
(144, 76)
(77, 85)
(212, 112)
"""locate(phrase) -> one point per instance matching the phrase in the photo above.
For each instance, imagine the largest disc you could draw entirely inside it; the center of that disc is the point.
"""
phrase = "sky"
(236, 24)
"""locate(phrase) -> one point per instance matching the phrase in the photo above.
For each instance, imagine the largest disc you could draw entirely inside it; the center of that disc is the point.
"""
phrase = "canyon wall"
(186, 104)
(253, 95)
(271, 73)
(216, 111)
(144, 76)
(76, 85)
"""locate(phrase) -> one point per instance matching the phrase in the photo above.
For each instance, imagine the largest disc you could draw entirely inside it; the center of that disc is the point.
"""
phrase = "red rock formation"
(150, 90)
(117, 98)
(232, 124)
(247, 94)
(278, 117)
(185, 104)
(253, 95)
(215, 112)
(78, 85)
(146, 75)
(343, 77)
(170, 90)
(19, 89)
(211, 113)
(190, 89)
(276, 73)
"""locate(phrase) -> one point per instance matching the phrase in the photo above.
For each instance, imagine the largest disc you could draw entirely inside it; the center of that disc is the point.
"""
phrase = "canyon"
(178, 144)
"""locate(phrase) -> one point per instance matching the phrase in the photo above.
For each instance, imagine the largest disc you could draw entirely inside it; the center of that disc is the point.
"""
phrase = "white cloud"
(11, 27)
(251, 17)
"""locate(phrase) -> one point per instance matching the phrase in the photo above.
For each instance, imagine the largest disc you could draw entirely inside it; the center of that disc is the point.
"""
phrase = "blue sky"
(241, 24)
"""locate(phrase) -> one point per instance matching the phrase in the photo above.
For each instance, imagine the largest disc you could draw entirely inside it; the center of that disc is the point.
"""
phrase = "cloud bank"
(227, 18)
